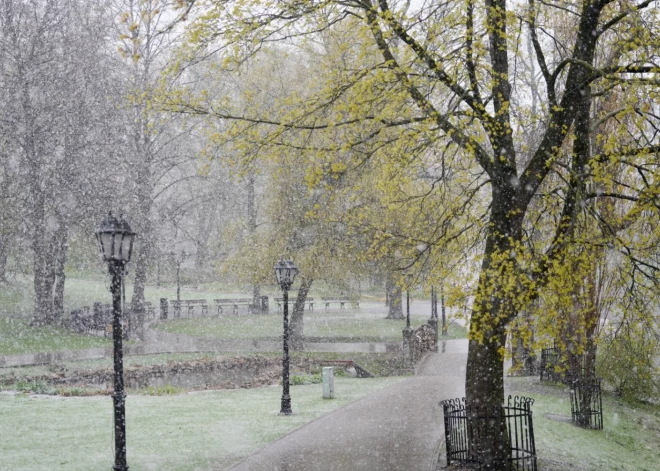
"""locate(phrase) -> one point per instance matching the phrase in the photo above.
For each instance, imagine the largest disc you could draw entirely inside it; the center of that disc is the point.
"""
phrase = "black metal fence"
(519, 436)
(587, 405)
(550, 358)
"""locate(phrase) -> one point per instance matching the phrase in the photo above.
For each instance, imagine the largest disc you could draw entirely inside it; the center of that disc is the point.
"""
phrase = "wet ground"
(398, 428)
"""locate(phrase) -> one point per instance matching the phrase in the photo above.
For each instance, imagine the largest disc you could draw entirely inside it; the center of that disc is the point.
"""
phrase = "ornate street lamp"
(285, 272)
(115, 239)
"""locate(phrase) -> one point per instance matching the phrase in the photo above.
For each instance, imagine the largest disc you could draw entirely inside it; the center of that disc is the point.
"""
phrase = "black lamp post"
(115, 240)
(442, 304)
(285, 272)
(434, 304)
(408, 332)
(178, 258)
(409, 279)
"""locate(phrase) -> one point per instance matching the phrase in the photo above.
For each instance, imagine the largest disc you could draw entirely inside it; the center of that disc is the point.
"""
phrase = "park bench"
(190, 304)
(234, 303)
(124, 329)
(280, 302)
(82, 320)
(149, 310)
(101, 316)
(95, 320)
(341, 301)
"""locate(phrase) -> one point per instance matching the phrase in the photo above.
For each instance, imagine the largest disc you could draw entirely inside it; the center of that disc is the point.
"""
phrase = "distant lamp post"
(442, 305)
(285, 272)
(408, 332)
(178, 259)
(115, 239)
(409, 280)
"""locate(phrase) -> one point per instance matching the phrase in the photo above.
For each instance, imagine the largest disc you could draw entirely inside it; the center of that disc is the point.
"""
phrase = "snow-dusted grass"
(193, 431)
(17, 299)
(348, 325)
(630, 440)
(17, 336)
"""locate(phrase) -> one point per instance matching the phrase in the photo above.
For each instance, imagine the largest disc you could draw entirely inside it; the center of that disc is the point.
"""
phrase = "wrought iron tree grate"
(461, 423)
(587, 405)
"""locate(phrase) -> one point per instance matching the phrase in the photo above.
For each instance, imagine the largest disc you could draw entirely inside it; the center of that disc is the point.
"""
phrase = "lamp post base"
(408, 348)
(285, 409)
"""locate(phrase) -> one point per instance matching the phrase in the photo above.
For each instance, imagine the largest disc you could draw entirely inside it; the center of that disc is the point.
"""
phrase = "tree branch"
(621, 16)
(540, 57)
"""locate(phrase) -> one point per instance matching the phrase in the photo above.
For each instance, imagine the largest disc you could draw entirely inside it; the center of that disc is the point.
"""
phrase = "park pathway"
(396, 428)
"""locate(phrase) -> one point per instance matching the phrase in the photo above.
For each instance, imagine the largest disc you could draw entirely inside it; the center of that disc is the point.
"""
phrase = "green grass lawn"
(347, 325)
(17, 336)
(630, 440)
(193, 431)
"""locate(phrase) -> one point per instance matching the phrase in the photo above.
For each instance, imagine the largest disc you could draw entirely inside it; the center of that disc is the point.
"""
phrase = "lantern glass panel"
(293, 271)
(278, 274)
(126, 247)
(106, 244)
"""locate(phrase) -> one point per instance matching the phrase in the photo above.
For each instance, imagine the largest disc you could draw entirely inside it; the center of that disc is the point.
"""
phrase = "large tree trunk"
(492, 310)
(395, 308)
(42, 287)
(142, 251)
(142, 219)
(137, 301)
(485, 398)
(37, 223)
(3, 261)
(256, 298)
(141, 261)
(5, 242)
(523, 359)
(60, 252)
(297, 325)
(252, 229)
(586, 374)
(51, 267)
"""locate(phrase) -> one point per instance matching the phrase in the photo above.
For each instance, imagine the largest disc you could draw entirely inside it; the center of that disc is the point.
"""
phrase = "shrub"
(166, 390)
(626, 363)
(35, 387)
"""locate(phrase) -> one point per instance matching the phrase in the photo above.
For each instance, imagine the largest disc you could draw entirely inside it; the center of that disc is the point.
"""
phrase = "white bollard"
(328, 382)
